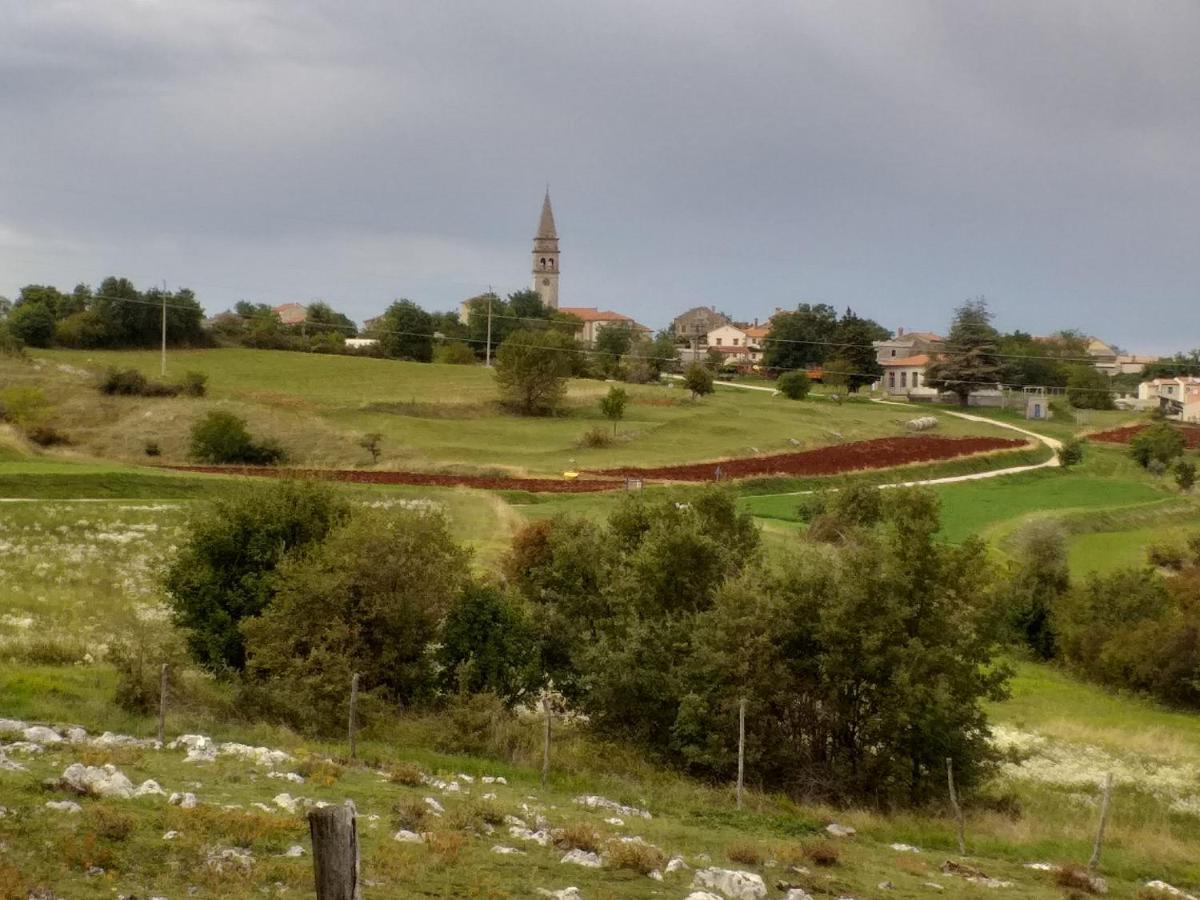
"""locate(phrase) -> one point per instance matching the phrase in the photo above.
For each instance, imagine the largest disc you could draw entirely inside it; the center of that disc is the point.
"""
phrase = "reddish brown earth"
(1191, 435)
(880, 453)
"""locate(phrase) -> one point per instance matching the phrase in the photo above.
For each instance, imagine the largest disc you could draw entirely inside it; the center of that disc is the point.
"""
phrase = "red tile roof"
(921, 359)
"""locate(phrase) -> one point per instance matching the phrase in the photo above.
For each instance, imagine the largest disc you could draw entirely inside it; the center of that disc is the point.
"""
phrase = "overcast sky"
(895, 157)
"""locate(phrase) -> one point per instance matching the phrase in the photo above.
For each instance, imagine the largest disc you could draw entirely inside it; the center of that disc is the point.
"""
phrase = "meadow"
(431, 417)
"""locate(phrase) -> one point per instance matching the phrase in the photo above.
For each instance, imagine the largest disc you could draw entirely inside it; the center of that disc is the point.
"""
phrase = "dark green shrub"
(225, 570)
(10, 344)
(596, 437)
(1185, 474)
(222, 438)
(32, 324)
(1166, 555)
(794, 385)
(194, 384)
(132, 383)
(47, 436)
(1071, 453)
(487, 645)
(457, 353)
(1159, 443)
(698, 379)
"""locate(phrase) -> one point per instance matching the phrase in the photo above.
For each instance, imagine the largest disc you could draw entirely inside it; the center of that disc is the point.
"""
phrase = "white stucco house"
(1178, 397)
(904, 376)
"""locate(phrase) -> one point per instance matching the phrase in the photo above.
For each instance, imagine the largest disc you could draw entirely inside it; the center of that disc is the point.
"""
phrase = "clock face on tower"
(545, 282)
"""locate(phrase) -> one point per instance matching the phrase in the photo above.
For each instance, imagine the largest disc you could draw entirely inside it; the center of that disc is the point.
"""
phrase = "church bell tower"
(545, 256)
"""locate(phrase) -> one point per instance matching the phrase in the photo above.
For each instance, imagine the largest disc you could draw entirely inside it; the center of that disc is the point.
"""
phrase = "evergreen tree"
(969, 362)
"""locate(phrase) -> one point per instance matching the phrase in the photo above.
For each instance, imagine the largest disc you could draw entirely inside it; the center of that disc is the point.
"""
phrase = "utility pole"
(488, 352)
(163, 371)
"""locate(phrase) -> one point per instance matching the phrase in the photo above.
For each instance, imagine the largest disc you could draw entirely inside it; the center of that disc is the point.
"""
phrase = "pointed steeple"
(546, 229)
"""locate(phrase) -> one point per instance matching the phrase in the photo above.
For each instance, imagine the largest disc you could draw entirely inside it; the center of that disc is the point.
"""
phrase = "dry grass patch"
(103, 756)
(236, 827)
(635, 856)
(320, 771)
(108, 822)
(822, 853)
(581, 836)
(409, 814)
(913, 865)
(746, 853)
(472, 815)
(407, 773)
(1074, 878)
(446, 846)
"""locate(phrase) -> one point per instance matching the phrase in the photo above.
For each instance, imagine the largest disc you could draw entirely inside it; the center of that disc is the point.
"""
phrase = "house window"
(735, 342)
(903, 379)
(891, 379)
(719, 341)
(893, 352)
(916, 375)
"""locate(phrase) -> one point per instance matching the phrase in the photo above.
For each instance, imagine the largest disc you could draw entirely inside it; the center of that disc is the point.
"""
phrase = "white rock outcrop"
(148, 788)
(404, 836)
(434, 807)
(40, 734)
(183, 801)
(9, 765)
(731, 883)
(797, 894)
(504, 850)
(64, 806)
(833, 829)
(97, 781)
(581, 858)
(570, 893)
(676, 864)
(592, 801)
(1168, 889)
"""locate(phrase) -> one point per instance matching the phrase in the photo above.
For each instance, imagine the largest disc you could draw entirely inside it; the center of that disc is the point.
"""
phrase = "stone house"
(696, 323)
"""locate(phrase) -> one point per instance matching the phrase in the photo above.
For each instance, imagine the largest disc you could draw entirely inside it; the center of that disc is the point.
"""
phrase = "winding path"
(1053, 443)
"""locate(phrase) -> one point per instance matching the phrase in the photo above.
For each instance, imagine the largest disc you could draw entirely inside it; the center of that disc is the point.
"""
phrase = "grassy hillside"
(431, 416)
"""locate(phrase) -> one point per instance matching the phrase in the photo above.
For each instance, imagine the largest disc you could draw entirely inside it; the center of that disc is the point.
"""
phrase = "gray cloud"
(893, 157)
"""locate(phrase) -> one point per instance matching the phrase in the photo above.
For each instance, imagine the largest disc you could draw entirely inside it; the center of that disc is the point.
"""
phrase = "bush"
(1070, 453)
(1157, 443)
(10, 344)
(371, 443)
(698, 379)
(595, 438)
(635, 856)
(194, 384)
(23, 406)
(225, 570)
(1166, 555)
(1185, 474)
(822, 853)
(581, 836)
(612, 405)
(221, 438)
(745, 852)
(110, 823)
(457, 353)
(368, 599)
(129, 382)
(407, 773)
(47, 436)
(794, 385)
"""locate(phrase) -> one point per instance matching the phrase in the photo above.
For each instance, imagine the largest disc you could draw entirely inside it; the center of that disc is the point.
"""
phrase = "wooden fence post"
(1094, 862)
(958, 814)
(354, 716)
(546, 741)
(335, 852)
(162, 706)
(741, 748)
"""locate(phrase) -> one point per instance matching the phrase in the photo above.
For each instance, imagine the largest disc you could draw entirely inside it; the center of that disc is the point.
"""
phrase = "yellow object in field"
(570, 474)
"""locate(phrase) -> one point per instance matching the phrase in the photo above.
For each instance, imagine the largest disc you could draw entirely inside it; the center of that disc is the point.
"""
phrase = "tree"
(853, 344)
(1041, 362)
(1185, 474)
(698, 379)
(532, 367)
(1172, 367)
(835, 375)
(32, 324)
(1158, 443)
(1070, 453)
(969, 360)
(611, 344)
(801, 338)
(405, 331)
(323, 318)
(612, 405)
(370, 442)
(225, 569)
(794, 385)
(488, 646)
(1089, 388)
(1040, 577)
(367, 599)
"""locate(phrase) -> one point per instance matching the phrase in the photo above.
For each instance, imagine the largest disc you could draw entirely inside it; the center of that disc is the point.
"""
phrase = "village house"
(696, 323)
(904, 345)
(291, 313)
(596, 320)
(1179, 398)
(904, 376)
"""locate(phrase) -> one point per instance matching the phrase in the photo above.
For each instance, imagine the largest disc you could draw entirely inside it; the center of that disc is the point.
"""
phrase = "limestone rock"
(96, 781)
(731, 883)
(592, 801)
(676, 864)
(833, 829)
(183, 801)
(407, 837)
(64, 806)
(9, 765)
(149, 787)
(571, 893)
(40, 734)
(582, 858)
(503, 850)
(797, 894)
(294, 850)
(12, 726)
(434, 807)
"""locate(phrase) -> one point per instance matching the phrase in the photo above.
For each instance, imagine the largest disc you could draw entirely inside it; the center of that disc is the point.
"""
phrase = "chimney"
(900, 332)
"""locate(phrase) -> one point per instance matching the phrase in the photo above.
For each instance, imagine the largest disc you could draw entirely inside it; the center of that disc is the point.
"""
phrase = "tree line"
(864, 662)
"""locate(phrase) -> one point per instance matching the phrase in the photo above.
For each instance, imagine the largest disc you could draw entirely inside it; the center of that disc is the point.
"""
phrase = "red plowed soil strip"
(483, 482)
(1125, 435)
(880, 453)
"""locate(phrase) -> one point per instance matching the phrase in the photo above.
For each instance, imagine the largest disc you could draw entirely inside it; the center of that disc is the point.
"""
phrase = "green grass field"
(431, 416)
